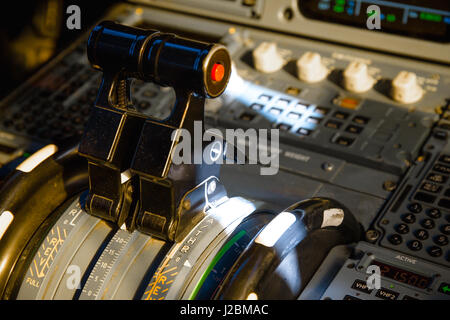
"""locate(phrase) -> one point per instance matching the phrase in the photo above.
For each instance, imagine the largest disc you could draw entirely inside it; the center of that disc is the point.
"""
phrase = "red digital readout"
(403, 276)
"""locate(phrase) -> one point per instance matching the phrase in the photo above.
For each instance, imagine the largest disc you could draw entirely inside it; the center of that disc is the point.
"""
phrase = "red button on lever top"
(217, 72)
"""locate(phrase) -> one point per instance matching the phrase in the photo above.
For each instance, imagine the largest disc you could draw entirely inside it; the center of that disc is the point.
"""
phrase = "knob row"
(356, 77)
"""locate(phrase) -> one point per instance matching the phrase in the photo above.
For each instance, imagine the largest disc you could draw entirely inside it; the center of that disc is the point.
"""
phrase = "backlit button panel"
(403, 277)
(375, 135)
(417, 221)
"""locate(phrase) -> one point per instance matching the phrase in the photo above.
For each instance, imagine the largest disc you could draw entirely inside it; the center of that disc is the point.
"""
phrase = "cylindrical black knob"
(165, 59)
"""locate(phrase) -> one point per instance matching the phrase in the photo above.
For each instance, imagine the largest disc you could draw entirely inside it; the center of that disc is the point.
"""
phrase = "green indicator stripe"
(338, 8)
(430, 16)
(213, 263)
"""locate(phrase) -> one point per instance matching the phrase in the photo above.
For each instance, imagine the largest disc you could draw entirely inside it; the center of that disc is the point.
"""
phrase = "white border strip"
(36, 158)
(275, 229)
(5, 220)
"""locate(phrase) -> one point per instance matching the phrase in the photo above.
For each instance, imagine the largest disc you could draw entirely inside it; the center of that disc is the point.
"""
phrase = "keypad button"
(354, 129)
(438, 178)
(421, 234)
(446, 229)
(361, 120)
(441, 168)
(431, 187)
(415, 207)
(301, 107)
(386, 294)
(445, 158)
(313, 120)
(344, 141)
(445, 203)
(409, 218)
(283, 103)
(361, 286)
(441, 135)
(275, 111)
(257, 107)
(284, 126)
(427, 223)
(304, 132)
(395, 239)
(265, 98)
(321, 110)
(402, 228)
(434, 213)
(333, 124)
(441, 240)
(435, 251)
(294, 115)
(340, 115)
(246, 116)
(293, 91)
(424, 197)
(415, 245)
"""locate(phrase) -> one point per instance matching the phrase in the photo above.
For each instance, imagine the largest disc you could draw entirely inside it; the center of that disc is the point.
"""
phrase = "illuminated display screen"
(415, 18)
(400, 275)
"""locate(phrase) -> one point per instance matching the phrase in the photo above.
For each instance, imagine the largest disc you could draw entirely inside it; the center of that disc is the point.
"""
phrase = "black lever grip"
(287, 252)
(163, 58)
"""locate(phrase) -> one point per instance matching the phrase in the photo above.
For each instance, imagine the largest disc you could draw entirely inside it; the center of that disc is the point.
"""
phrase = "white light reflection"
(295, 113)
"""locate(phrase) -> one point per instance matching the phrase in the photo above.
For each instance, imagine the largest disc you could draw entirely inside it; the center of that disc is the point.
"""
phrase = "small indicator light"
(390, 17)
(217, 72)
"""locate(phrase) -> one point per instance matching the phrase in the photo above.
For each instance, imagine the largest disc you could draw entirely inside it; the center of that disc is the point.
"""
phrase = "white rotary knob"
(310, 67)
(267, 58)
(405, 89)
(357, 78)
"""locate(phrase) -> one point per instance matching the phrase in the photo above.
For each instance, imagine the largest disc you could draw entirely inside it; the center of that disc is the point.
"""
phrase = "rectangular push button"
(445, 158)
(445, 203)
(441, 168)
(361, 286)
(438, 178)
(354, 129)
(431, 187)
(386, 294)
(361, 120)
(284, 126)
(304, 132)
(425, 197)
(340, 115)
(344, 141)
(333, 124)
